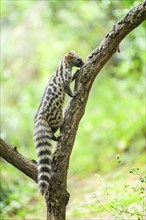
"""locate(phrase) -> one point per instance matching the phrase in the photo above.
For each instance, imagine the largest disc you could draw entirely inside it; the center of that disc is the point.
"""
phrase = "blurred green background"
(106, 173)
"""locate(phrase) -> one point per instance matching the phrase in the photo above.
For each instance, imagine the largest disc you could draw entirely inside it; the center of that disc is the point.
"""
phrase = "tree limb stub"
(12, 156)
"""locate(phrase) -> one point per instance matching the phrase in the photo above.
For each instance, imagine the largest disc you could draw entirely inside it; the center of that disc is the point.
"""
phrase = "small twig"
(128, 212)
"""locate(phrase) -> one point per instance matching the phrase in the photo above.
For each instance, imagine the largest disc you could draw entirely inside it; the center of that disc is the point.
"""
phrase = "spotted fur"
(49, 116)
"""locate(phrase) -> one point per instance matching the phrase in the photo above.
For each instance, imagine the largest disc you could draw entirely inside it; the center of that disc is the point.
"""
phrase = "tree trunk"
(58, 199)
(56, 206)
(57, 196)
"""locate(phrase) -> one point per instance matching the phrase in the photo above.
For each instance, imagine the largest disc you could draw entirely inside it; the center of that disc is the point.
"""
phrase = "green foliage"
(35, 34)
(19, 196)
(111, 198)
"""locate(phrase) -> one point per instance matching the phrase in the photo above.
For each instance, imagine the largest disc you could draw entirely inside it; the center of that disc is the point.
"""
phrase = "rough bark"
(12, 156)
(57, 197)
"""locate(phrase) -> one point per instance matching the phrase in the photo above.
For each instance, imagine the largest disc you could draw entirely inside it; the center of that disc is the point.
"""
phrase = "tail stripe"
(43, 183)
(44, 165)
(44, 177)
(42, 149)
(44, 152)
(40, 133)
(40, 122)
(44, 157)
(44, 169)
(45, 161)
(45, 137)
(42, 144)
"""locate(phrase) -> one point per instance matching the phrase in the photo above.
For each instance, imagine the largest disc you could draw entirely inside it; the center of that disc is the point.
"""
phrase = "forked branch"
(58, 196)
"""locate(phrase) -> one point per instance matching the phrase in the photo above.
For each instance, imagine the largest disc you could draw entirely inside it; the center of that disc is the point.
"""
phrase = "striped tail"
(42, 138)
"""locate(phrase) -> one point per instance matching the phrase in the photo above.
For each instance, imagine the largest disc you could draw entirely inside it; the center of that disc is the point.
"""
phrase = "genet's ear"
(69, 55)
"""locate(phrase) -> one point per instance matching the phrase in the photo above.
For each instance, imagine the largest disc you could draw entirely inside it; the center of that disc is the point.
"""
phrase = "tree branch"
(12, 156)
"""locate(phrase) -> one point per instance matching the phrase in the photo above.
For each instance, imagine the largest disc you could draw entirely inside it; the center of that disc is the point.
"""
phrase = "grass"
(20, 198)
(110, 196)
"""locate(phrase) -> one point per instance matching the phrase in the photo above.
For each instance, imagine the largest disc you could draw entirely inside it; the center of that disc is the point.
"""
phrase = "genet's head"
(73, 59)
